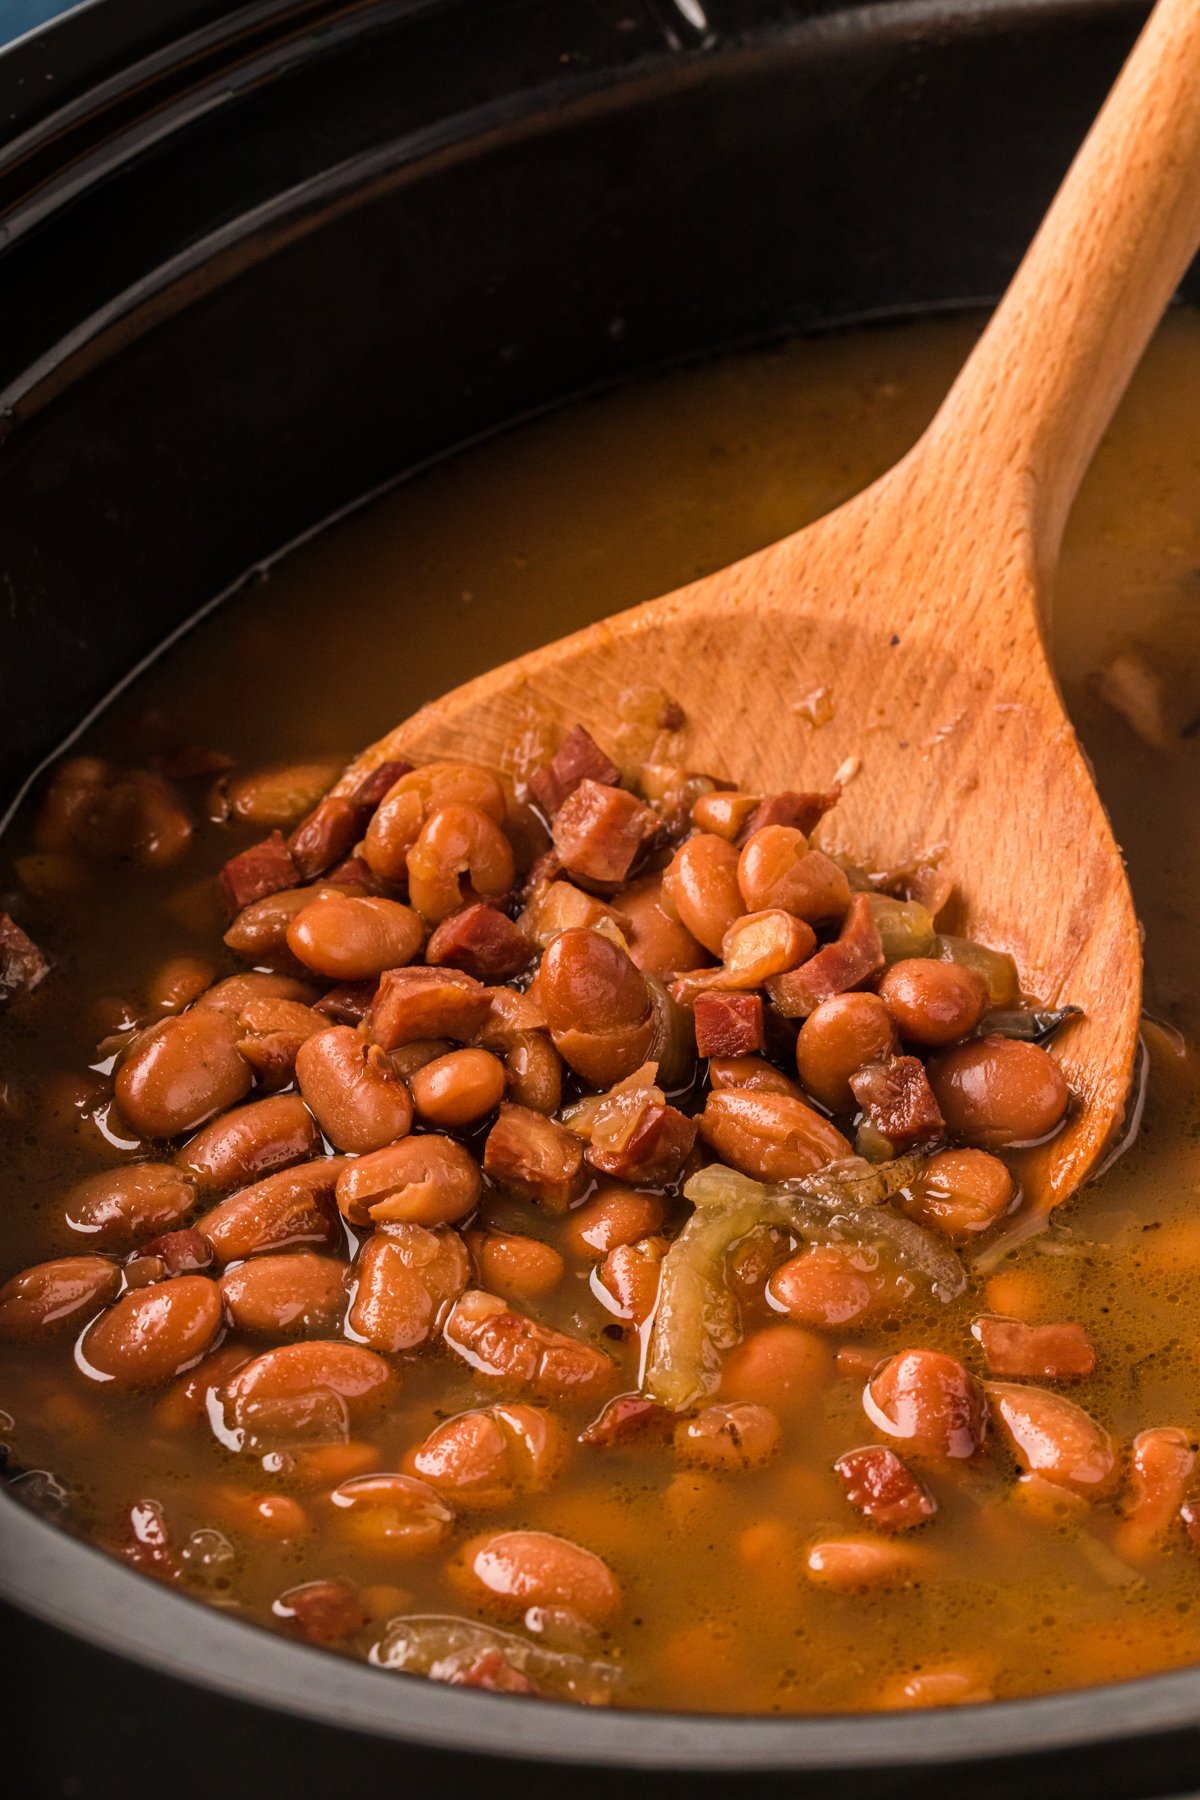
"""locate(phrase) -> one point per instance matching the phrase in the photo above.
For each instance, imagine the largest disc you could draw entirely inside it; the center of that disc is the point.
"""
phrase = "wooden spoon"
(916, 609)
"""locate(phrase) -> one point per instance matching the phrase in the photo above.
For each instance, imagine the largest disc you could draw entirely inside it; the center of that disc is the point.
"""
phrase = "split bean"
(407, 1279)
(352, 1087)
(428, 1180)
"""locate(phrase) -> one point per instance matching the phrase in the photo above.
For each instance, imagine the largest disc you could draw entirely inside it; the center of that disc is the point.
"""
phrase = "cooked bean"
(1052, 1437)
(458, 1089)
(535, 1155)
(271, 1518)
(933, 1003)
(840, 1037)
(724, 813)
(851, 1565)
(459, 856)
(259, 931)
(782, 1366)
(140, 1271)
(658, 943)
(122, 1206)
(486, 1459)
(285, 1296)
(769, 1136)
(180, 1072)
(1045, 1352)
(272, 1033)
(960, 1193)
(513, 1570)
(701, 883)
(520, 1268)
(177, 982)
(153, 1333)
(354, 937)
(408, 1277)
(237, 992)
(392, 1515)
(249, 1142)
(728, 1436)
(280, 793)
(930, 1401)
(186, 1402)
(955, 1684)
(752, 1073)
(396, 824)
(53, 1297)
(134, 817)
(883, 1489)
(839, 1285)
(533, 1069)
(409, 1058)
(503, 1345)
(305, 1391)
(598, 1006)
(613, 1215)
(996, 1091)
(1162, 1465)
(427, 1180)
(776, 868)
(359, 1101)
(629, 1276)
(291, 1210)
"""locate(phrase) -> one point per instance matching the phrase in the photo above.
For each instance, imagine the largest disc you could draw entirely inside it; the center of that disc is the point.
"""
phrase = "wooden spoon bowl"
(912, 616)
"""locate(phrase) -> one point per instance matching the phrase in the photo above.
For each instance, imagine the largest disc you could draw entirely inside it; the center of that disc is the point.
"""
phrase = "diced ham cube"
(655, 1150)
(426, 1003)
(182, 1252)
(374, 788)
(1060, 1352)
(803, 812)
(353, 872)
(599, 831)
(322, 1612)
(348, 1004)
(898, 1101)
(883, 1489)
(854, 957)
(578, 758)
(625, 1418)
(483, 942)
(22, 965)
(729, 1024)
(327, 835)
(265, 868)
(536, 1155)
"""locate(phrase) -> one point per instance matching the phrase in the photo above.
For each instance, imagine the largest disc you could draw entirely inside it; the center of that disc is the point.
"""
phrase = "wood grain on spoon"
(915, 612)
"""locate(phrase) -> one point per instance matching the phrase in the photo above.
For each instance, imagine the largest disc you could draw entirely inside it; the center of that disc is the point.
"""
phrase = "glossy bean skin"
(52, 1298)
(306, 1391)
(123, 1206)
(776, 868)
(839, 1286)
(613, 1215)
(730, 1436)
(960, 1193)
(753, 1073)
(504, 1345)
(237, 992)
(392, 1515)
(180, 1072)
(701, 883)
(292, 1210)
(353, 1090)
(927, 1400)
(178, 982)
(1162, 1465)
(480, 1460)
(519, 1268)
(996, 1091)
(428, 1180)
(629, 1278)
(355, 937)
(769, 1136)
(459, 855)
(659, 944)
(293, 1294)
(841, 1036)
(782, 1366)
(597, 1005)
(252, 1141)
(407, 1279)
(861, 1564)
(279, 794)
(397, 821)
(933, 1003)
(1052, 1437)
(509, 1571)
(153, 1333)
(458, 1089)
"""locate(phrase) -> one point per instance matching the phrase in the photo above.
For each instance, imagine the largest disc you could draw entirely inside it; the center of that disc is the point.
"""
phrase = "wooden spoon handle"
(1034, 398)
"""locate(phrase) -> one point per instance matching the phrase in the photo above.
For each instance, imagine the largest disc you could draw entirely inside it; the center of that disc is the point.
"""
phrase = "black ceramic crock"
(254, 264)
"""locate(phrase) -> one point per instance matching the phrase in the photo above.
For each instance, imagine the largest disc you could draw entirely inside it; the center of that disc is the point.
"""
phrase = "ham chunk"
(265, 868)
(426, 1003)
(883, 1489)
(898, 1101)
(327, 835)
(22, 965)
(535, 1155)
(854, 957)
(1041, 1352)
(579, 758)
(803, 812)
(376, 786)
(482, 941)
(624, 1419)
(599, 830)
(503, 1345)
(651, 1150)
(729, 1024)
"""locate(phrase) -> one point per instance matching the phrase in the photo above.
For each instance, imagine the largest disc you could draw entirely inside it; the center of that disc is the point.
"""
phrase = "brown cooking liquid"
(541, 532)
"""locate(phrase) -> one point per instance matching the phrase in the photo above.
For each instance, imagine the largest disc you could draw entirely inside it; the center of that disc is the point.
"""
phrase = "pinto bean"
(123, 1206)
(177, 982)
(996, 1091)
(613, 1215)
(54, 1297)
(535, 1155)
(408, 1277)
(280, 793)
(180, 1072)
(413, 1005)
(862, 1564)
(533, 1070)
(460, 855)
(776, 868)
(291, 1210)
(752, 1073)
(251, 1141)
(1045, 1352)
(392, 1515)
(845, 1286)
(701, 883)
(259, 931)
(933, 1003)
(155, 1332)
(630, 1276)
(269, 1518)
(729, 1436)
(769, 1136)
(883, 1489)
(290, 1295)
(960, 1193)
(503, 1345)
(598, 1006)
(486, 1459)
(928, 1400)
(520, 1268)
(510, 1571)
(237, 992)
(459, 1089)
(355, 937)
(306, 1391)
(782, 1366)
(1052, 1437)
(414, 797)
(359, 1101)
(428, 1180)
(135, 817)
(1162, 1465)
(658, 943)
(840, 1037)
(272, 1033)
(954, 1684)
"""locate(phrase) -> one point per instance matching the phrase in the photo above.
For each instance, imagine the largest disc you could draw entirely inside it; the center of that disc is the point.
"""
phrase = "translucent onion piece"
(1031, 1027)
(905, 927)
(443, 1648)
